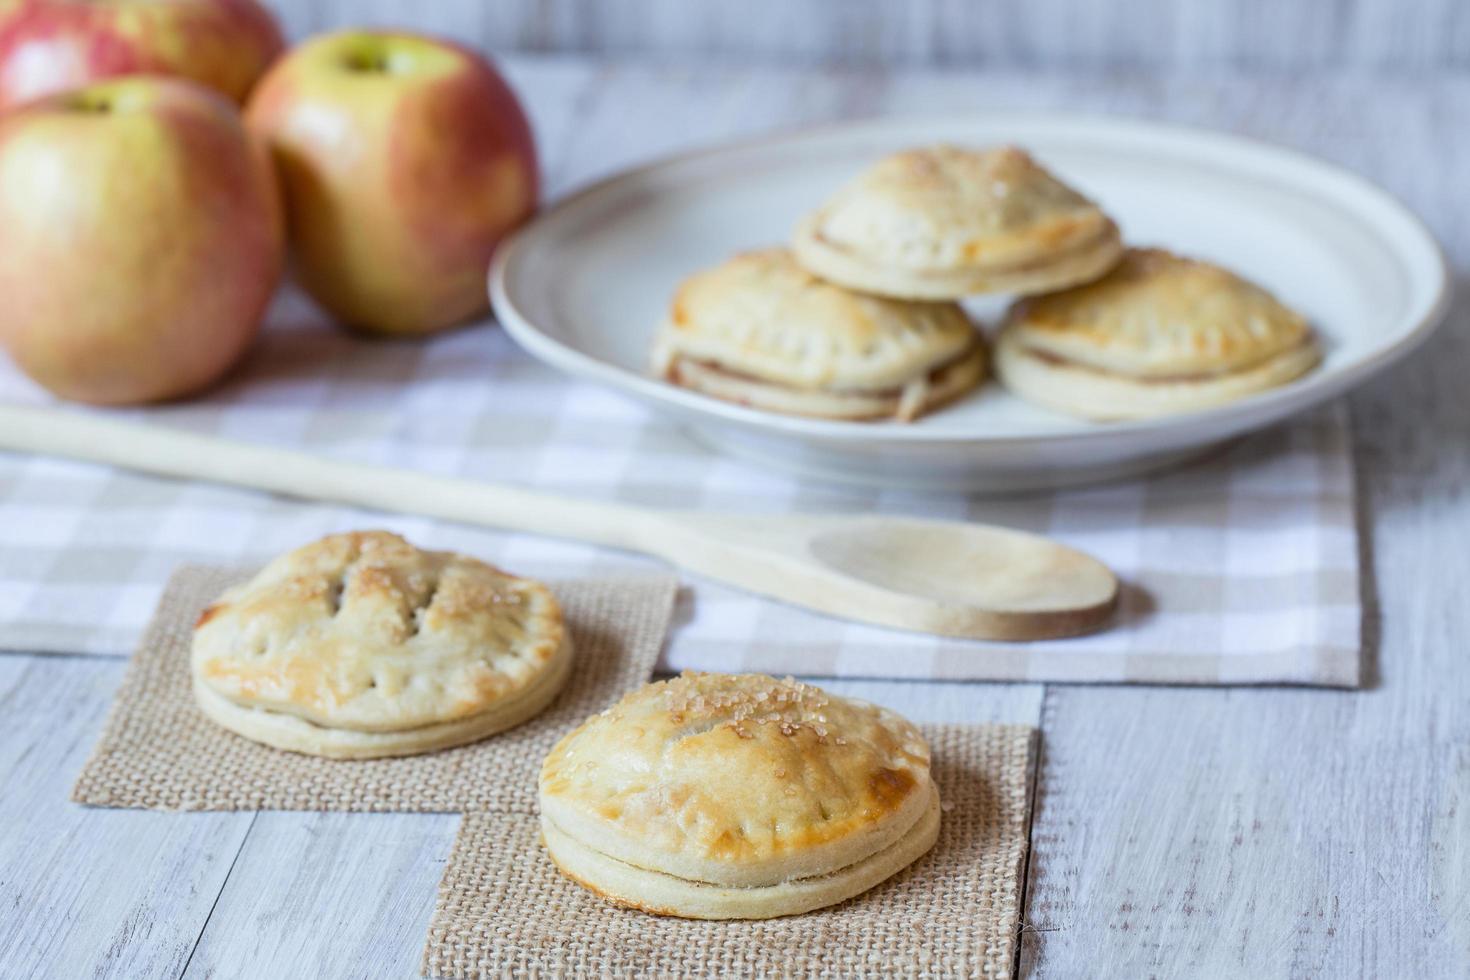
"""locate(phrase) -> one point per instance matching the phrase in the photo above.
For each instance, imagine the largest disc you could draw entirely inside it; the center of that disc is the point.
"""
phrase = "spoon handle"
(884, 575)
(163, 451)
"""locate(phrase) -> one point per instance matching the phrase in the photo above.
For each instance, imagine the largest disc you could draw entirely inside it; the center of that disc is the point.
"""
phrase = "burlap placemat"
(503, 910)
(159, 752)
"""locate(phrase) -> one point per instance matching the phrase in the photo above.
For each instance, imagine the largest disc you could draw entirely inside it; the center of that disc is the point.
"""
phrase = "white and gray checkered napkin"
(1239, 569)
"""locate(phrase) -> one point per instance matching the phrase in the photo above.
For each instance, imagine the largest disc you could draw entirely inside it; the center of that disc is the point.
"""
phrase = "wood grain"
(92, 892)
(944, 703)
(327, 895)
(1222, 837)
(1040, 34)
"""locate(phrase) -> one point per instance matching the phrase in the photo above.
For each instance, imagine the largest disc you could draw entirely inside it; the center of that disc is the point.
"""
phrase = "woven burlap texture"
(504, 910)
(159, 752)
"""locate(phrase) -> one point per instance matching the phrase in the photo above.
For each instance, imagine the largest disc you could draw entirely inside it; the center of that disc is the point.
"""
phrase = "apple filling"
(906, 402)
(1035, 264)
(1183, 377)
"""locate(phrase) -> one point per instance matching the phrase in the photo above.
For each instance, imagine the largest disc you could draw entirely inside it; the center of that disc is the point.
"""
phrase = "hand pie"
(361, 645)
(737, 796)
(1157, 336)
(944, 222)
(760, 331)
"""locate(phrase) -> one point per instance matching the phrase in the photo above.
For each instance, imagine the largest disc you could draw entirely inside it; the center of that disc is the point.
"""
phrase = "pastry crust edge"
(955, 380)
(664, 894)
(295, 734)
(1091, 393)
(1072, 267)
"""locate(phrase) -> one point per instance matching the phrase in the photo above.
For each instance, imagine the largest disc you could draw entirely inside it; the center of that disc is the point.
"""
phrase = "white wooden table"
(1179, 832)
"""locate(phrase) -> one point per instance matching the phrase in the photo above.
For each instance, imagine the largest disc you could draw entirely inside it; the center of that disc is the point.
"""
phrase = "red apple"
(404, 160)
(49, 46)
(140, 239)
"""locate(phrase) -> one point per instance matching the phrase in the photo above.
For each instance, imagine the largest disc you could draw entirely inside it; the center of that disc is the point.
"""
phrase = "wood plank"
(87, 892)
(1193, 833)
(947, 702)
(1041, 34)
(328, 895)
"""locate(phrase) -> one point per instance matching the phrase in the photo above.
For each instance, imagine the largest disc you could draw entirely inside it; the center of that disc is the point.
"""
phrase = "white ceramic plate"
(584, 286)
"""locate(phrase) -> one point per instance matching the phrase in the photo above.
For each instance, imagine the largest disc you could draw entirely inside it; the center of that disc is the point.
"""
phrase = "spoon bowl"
(943, 577)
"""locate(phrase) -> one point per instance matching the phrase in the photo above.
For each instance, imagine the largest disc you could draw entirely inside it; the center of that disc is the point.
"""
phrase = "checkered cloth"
(1239, 569)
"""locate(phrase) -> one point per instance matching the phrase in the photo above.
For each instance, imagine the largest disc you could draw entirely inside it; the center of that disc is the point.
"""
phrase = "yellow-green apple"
(49, 46)
(404, 160)
(141, 238)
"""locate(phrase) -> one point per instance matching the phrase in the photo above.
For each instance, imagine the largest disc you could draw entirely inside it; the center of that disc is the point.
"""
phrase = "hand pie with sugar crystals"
(737, 796)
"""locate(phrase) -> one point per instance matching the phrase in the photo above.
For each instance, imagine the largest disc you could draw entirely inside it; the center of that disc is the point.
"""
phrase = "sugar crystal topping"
(746, 702)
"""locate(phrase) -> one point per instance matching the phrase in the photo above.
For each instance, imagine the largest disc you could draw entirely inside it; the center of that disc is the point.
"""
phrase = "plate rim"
(1426, 314)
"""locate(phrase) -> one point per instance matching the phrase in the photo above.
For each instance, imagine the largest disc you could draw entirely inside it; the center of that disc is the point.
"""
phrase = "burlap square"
(159, 752)
(504, 910)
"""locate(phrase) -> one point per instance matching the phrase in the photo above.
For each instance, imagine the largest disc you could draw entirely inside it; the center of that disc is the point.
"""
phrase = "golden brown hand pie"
(760, 331)
(944, 222)
(361, 645)
(737, 796)
(1159, 335)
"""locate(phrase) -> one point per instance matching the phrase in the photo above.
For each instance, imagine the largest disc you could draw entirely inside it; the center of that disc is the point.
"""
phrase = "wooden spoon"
(951, 578)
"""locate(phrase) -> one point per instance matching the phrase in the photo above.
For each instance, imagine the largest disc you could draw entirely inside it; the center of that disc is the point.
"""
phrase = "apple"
(49, 46)
(404, 160)
(141, 238)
